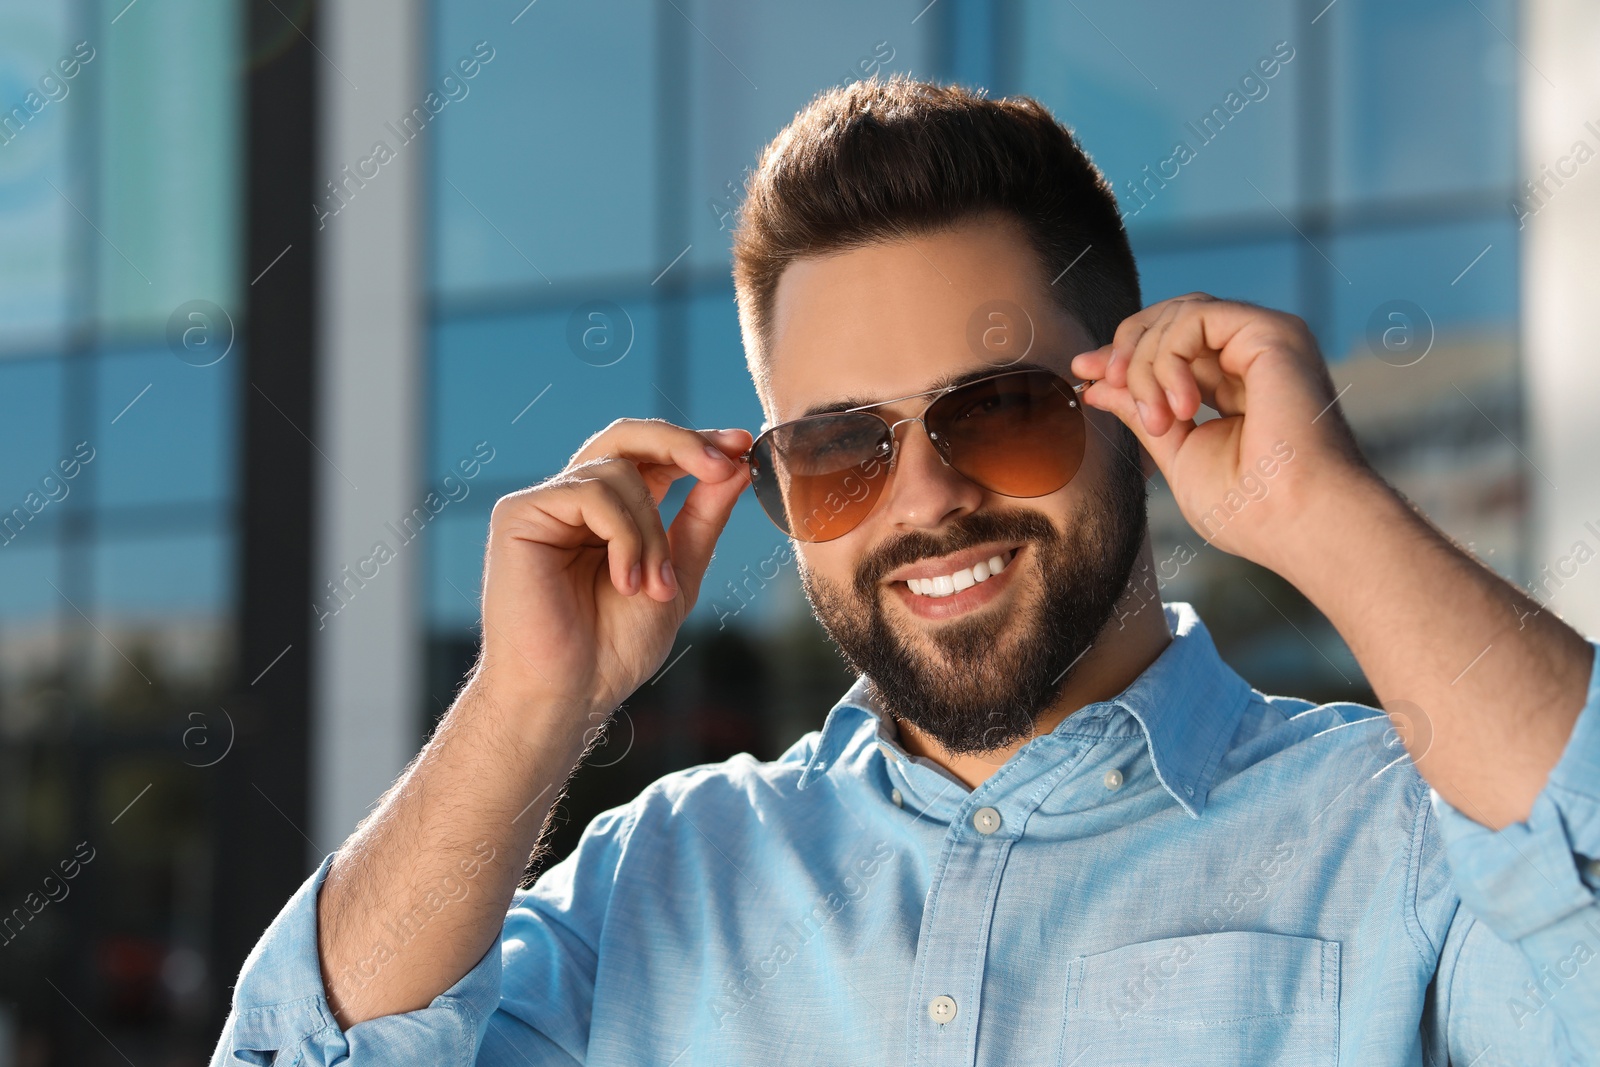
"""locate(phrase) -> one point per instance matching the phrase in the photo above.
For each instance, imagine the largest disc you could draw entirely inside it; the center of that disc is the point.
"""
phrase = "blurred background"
(291, 292)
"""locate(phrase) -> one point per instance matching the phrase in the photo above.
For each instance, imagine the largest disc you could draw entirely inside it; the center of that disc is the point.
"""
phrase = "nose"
(924, 491)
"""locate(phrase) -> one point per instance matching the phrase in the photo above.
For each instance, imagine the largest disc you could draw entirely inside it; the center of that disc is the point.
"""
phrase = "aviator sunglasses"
(1018, 433)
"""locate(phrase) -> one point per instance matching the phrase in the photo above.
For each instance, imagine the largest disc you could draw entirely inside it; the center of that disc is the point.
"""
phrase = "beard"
(974, 692)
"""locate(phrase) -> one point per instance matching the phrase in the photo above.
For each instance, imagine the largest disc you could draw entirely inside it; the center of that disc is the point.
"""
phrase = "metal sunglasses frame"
(933, 395)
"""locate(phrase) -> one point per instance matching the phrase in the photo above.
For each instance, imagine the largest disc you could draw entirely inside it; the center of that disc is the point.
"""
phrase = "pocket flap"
(1207, 979)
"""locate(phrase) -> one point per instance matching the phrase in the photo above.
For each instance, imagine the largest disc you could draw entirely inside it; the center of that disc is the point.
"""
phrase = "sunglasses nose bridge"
(934, 439)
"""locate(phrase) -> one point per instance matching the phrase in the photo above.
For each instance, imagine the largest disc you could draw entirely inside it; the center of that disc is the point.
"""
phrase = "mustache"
(978, 528)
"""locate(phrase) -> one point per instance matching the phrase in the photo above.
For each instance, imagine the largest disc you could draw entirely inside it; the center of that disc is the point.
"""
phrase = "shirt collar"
(1187, 703)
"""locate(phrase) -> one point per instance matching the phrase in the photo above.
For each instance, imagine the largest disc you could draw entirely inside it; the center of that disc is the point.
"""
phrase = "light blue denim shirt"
(1192, 873)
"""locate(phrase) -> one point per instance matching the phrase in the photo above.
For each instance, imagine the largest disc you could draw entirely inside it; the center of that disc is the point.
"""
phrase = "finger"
(1091, 366)
(1123, 344)
(659, 442)
(1148, 398)
(1134, 326)
(573, 512)
(733, 444)
(1237, 334)
(1213, 384)
(695, 529)
(1176, 377)
(657, 577)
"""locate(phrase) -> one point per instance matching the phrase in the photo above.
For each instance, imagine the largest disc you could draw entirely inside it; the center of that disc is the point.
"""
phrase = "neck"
(1130, 641)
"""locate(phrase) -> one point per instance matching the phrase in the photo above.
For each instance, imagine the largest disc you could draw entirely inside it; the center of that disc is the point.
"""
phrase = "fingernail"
(1144, 416)
(711, 450)
(1172, 401)
(633, 577)
(666, 574)
(728, 433)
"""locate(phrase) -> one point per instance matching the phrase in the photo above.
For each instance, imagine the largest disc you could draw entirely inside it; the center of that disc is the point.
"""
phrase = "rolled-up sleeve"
(1521, 969)
(280, 1011)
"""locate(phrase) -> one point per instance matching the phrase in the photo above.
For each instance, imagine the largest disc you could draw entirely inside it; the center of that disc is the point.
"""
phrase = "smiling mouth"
(950, 584)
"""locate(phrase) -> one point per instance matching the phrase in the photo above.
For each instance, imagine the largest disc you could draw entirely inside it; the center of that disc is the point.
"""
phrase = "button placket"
(953, 945)
(952, 949)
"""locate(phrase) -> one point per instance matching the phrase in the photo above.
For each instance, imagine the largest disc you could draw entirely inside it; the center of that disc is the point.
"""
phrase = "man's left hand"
(1241, 479)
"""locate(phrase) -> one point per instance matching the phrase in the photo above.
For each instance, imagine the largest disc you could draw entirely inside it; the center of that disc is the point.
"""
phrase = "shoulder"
(741, 781)
(1303, 730)
(1337, 764)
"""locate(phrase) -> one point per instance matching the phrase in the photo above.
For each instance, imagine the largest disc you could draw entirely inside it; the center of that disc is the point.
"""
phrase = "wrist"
(1332, 532)
(528, 717)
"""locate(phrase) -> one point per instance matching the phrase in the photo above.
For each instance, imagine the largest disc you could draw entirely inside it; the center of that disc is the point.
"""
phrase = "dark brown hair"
(882, 159)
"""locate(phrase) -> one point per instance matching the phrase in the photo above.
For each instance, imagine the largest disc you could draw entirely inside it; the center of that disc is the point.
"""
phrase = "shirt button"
(987, 821)
(942, 1009)
(1594, 869)
(1113, 779)
(899, 801)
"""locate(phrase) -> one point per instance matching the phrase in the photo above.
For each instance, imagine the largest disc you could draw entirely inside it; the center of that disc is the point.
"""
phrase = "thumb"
(701, 519)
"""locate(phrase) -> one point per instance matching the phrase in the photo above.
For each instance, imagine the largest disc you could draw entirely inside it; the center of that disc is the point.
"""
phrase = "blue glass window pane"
(170, 178)
(27, 569)
(1133, 92)
(1262, 273)
(1424, 97)
(187, 575)
(163, 429)
(32, 445)
(543, 163)
(756, 66)
(161, 609)
(38, 109)
(512, 380)
(1433, 267)
(721, 394)
(455, 570)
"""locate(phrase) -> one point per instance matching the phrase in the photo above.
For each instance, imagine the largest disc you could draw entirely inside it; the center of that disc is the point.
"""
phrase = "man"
(1047, 825)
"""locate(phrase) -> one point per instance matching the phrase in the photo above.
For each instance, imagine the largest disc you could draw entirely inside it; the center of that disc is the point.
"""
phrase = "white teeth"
(949, 584)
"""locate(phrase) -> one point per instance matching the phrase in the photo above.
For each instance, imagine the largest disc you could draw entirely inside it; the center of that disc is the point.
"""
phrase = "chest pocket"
(1232, 999)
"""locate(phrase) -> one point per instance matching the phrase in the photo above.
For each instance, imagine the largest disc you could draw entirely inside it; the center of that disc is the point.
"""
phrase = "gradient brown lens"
(817, 478)
(1018, 435)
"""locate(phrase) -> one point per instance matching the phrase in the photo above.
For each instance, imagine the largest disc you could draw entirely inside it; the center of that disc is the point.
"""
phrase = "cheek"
(1077, 506)
(828, 562)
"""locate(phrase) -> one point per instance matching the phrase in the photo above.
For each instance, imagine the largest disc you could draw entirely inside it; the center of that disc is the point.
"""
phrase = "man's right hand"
(584, 590)
(578, 610)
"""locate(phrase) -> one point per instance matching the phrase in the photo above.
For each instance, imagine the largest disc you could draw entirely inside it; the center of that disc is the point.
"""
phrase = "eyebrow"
(948, 381)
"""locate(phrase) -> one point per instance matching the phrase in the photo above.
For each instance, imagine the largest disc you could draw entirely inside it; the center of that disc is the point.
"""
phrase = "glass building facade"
(1349, 163)
(1352, 162)
(119, 210)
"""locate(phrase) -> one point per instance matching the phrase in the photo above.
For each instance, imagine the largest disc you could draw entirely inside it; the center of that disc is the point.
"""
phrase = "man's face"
(973, 670)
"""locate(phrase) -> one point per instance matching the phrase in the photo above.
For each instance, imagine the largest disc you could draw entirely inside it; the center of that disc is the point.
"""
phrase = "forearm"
(1498, 681)
(419, 892)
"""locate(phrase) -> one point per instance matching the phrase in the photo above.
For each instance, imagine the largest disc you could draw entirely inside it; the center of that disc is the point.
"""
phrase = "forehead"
(897, 317)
